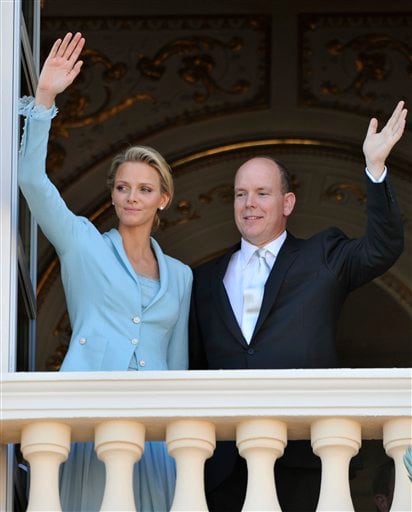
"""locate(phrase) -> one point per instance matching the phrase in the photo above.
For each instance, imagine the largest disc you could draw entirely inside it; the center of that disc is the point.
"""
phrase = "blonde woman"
(127, 301)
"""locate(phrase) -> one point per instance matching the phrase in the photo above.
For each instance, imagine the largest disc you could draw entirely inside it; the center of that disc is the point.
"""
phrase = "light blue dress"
(83, 470)
(110, 307)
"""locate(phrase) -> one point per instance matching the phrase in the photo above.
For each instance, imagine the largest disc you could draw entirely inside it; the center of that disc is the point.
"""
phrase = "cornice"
(80, 399)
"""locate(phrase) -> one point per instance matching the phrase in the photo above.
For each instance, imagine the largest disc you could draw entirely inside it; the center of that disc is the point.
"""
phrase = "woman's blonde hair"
(150, 157)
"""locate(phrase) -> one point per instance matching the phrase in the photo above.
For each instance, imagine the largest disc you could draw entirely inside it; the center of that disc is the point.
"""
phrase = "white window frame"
(9, 90)
(12, 29)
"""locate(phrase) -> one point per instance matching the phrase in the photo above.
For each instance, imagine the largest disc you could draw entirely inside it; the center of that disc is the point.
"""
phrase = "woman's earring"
(161, 207)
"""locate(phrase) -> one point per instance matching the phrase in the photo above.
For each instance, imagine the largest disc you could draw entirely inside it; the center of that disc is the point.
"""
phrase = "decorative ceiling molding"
(354, 61)
(175, 70)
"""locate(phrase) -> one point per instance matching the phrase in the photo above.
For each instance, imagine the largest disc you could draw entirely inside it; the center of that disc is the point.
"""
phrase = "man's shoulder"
(331, 231)
(321, 240)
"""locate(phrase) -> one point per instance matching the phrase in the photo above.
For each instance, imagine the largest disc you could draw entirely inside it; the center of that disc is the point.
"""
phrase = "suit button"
(136, 319)
(134, 341)
(251, 351)
(82, 341)
(142, 363)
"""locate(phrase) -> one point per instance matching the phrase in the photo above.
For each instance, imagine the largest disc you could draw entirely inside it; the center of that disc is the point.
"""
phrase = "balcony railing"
(336, 409)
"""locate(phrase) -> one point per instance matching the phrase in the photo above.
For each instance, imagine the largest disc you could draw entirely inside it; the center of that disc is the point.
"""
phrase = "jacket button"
(136, 319)
(134, 341)
(82, 341)
(142, 363)
(251, 351)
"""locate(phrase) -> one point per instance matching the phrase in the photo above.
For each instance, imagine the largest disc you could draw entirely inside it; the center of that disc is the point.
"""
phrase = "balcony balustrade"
(261, 410)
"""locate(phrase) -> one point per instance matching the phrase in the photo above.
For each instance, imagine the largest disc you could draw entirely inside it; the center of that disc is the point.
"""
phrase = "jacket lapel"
(287, 255)
(163, 272)
(117, 243)
(221, 298)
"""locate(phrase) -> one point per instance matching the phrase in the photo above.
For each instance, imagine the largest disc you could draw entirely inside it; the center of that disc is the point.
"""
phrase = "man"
(278, 307)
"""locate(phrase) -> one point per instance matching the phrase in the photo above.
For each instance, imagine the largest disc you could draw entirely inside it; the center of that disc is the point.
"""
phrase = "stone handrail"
(262, 409)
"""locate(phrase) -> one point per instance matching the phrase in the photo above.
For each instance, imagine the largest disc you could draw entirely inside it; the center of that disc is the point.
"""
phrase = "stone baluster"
(45, 444)
(119, 444)
(397, 437)
(190, 442)
(261, 442)
(335, 441)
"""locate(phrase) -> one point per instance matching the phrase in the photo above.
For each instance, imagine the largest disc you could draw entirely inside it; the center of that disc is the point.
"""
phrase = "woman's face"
(137, 194)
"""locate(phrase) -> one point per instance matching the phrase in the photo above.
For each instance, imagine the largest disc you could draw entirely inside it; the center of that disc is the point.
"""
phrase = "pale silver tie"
(253, 292)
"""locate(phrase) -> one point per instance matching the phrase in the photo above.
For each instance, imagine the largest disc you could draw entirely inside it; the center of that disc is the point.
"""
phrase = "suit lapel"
(221, 298)
(287, 255)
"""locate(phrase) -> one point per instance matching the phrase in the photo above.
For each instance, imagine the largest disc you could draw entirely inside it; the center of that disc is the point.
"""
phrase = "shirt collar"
(247, 249)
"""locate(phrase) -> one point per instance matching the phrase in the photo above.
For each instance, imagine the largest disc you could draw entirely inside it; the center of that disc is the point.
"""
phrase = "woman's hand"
(60, 68)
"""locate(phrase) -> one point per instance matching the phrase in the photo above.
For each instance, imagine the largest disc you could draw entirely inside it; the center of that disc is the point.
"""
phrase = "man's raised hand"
(378, 145)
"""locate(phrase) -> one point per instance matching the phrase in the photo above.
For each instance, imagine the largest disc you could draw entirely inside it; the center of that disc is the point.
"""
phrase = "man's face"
(261, 208)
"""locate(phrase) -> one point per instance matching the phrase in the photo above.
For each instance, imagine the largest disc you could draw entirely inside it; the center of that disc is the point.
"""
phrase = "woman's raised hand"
(60, 68)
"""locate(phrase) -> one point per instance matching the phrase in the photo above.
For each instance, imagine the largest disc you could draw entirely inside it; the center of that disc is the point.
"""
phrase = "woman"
(127, 301)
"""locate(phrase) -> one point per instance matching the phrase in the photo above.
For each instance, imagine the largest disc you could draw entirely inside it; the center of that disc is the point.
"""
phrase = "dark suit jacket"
(303, 295)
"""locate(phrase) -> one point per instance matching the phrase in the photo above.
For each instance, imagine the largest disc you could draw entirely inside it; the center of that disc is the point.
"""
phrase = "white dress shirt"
(238, 275)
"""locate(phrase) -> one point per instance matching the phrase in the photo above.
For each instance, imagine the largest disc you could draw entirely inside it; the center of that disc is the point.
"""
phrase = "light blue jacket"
(102, 290)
